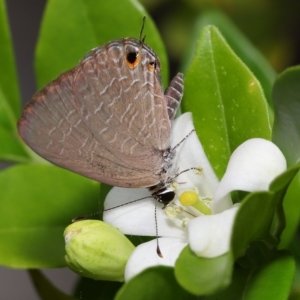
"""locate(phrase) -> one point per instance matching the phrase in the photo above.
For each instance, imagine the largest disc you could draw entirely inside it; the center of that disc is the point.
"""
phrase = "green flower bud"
(97, 250)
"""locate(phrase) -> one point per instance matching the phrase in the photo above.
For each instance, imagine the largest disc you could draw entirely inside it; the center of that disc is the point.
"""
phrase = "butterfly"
(109, 119)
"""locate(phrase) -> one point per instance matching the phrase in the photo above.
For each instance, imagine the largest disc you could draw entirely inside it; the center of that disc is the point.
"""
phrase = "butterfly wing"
(102, 120)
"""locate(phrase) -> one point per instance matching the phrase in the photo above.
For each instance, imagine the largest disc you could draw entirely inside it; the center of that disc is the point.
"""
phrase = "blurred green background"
(273, 26)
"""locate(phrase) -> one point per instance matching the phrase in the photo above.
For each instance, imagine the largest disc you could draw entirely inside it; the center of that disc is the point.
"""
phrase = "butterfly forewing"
(104, 119)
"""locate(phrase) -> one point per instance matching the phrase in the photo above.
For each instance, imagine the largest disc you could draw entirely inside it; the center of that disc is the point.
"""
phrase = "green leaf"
(286, 134)
(45, 289)
(71, 28)
(286, 187)
(227, 101)
(8, 74)
(286, 98)
(259, 205)
(295, 249)
(7, 118)
(37, 203)
(292, 212)
(272, 280)
(281, 182)
(266, 208)
(11, 148)
(96, 289)
(203, 276)
(153, 283)
(236, 288)
(243, 48)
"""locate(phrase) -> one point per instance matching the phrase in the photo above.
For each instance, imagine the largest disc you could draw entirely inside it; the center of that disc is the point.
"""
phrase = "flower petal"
(190, 154)
(138, 218)
(145, 256)
(252, 167)
(209, 236)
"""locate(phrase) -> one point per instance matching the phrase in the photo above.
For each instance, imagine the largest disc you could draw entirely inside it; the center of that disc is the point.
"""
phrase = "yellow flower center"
(191, 198)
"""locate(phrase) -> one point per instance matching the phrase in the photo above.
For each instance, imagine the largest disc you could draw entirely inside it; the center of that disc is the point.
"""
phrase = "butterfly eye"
(132, 59)
(152, 65)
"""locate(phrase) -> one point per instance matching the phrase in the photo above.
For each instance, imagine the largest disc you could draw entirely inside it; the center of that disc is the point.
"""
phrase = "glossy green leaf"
(203, 276)
(8, 74)
(236, 288)
(37, 203)
(243, 48)
(281, 182)
(153, 283)
(227, 101)
(259, 206)
(272, 280)
(286, 134)
(71, 28)
(267, 209)
(285, 192)
(286, 98)
(292, 212)
(45, 289)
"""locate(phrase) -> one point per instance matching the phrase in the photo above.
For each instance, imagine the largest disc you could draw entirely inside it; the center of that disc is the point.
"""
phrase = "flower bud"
(97, 250)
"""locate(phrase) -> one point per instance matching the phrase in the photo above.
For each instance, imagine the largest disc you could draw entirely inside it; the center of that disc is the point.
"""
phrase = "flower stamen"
(177, 214)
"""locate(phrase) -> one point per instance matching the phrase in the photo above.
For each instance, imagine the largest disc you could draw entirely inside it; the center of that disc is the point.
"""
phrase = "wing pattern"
(104, 119)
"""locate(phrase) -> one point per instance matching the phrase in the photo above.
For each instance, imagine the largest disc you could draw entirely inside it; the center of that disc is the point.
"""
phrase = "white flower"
(206, 226)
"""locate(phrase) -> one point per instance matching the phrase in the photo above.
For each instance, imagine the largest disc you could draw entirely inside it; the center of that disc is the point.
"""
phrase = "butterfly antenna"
(88, 216)
(156, 228)
(142, 39)
(177, 145)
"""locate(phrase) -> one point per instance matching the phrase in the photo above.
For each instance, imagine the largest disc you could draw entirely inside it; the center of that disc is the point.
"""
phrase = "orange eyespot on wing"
(133, 59)
(152, 66)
